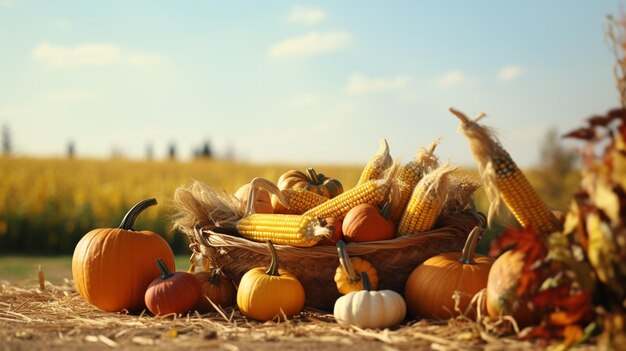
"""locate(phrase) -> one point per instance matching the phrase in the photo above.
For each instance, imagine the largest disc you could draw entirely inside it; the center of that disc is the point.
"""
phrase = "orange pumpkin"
(337, 233)
(112, 267)
(263, 203)
(430, 287)
(366, 222)
(269, 293)
(348, 274)
(176, 292)
(216, 287)
(502, 299)
(311, 181)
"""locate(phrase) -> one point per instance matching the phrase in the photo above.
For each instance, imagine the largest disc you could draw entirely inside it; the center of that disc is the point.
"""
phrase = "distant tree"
(557, 180)
(171, 151)
(149, 152)
(71, 149)
(555, 158)
(6, 140)
(205, 151)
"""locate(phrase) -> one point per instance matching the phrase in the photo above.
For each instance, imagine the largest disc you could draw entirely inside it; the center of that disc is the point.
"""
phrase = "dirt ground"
(57, 318)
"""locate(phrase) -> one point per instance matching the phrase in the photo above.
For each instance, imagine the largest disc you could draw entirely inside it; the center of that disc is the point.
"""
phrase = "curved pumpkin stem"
(313, 176)
(273, 268)
(215, 278)
(165, 272)
(259, 182)
(129, 219)
(345, 262)
(366, 281)
(469, 249)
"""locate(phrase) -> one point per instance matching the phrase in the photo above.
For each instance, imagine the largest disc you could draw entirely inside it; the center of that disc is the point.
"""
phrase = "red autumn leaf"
(565, 318)
(581, 133)
(601, 121)
(617, 113)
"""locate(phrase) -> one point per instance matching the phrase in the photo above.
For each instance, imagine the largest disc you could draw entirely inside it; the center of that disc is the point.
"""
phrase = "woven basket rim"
(204, 240)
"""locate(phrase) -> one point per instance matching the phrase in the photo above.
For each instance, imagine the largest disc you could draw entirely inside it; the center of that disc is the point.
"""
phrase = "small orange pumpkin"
(263, 203)
(366, 222)
(311, 181)
(430, 287)
(176, 292)
(348, 274)
(216, 287)
(112, 267)
(268, 293)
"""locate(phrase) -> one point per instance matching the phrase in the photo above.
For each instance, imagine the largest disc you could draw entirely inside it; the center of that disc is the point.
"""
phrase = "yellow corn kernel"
(426, 202)
(502, 179)
(377, 164)
(283, 229)
(299, 200)
(374, 191)
(424, 162)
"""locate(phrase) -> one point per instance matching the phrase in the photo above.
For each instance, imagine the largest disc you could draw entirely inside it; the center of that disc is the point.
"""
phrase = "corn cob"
(426, 202)
(424, 162)
(299, 201)
(374, 191)
(283, 229)
(377, 164)
(502, 179)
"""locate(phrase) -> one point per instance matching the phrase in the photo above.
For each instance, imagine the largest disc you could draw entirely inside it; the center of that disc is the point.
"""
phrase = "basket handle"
(259, 182)
(346, 264)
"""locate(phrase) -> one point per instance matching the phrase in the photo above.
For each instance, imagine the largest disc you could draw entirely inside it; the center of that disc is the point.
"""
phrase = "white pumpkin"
(370, 309)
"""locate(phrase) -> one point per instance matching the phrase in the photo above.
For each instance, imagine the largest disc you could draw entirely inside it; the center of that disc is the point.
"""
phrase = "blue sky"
(294, 81)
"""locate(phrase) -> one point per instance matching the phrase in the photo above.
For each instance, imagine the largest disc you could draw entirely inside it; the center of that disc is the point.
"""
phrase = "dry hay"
(58, 318)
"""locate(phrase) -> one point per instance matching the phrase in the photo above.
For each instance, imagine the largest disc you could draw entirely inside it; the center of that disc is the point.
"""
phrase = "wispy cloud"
(307, 16)
(359, 84)
(313, 43)
(61, 24)
(92, 55)
(304, 100)
(510, 72)
(70, 96)
(453, 79)
(7, 3)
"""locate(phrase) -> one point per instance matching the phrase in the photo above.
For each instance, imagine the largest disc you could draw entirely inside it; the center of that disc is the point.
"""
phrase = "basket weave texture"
(315, 266)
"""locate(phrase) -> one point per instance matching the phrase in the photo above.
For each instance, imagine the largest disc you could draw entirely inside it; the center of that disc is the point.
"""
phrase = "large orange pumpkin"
(430, 288)
(366, 222)
(311, 181)
(112, 267)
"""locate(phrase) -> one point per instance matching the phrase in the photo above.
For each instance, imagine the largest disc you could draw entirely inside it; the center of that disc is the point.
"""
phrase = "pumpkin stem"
(346, 264)
(315, 179)
(469, 249)
(165, 272)
(129, 219)
(259, 182)
(273, 269)
(366, 281)
(385, 209)
(215, 278)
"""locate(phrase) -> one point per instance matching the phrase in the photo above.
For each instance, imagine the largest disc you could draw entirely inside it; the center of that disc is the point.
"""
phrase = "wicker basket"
(315, 266)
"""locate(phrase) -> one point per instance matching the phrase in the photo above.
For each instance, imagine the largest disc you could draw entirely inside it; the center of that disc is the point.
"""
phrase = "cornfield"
(47, 205)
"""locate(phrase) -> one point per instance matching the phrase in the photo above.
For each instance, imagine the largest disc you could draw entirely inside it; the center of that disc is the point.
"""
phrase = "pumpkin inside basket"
(315, 266)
